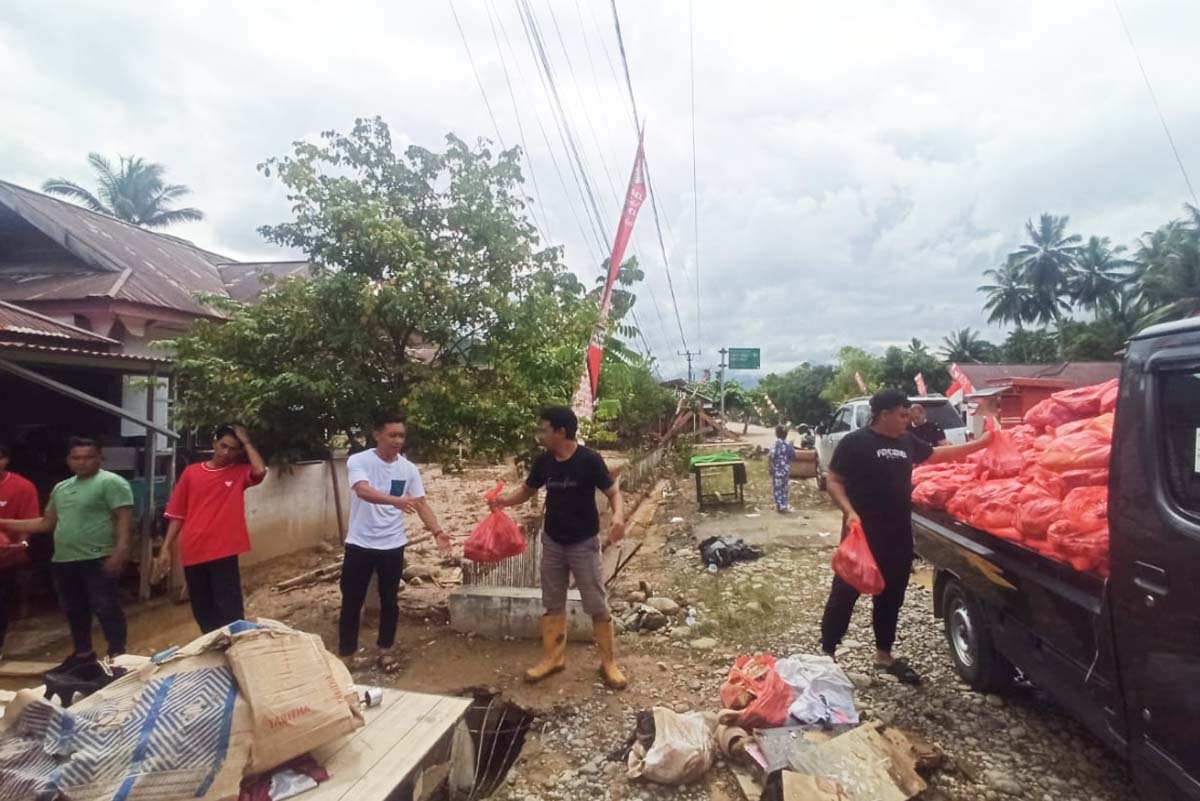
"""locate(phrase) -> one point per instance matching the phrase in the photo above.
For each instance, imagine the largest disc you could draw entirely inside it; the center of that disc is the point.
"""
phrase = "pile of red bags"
(1042, 484)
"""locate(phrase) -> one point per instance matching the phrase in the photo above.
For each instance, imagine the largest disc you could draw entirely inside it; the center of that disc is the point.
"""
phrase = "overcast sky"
(857, 168)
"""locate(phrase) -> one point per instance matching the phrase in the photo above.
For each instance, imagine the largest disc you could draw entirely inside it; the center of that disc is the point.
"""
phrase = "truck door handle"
(1150, 579)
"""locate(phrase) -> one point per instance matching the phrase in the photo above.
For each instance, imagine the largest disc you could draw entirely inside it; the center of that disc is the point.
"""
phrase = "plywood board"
(369, 764)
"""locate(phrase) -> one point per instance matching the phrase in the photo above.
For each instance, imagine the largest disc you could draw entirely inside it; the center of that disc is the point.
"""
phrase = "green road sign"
(744, 359)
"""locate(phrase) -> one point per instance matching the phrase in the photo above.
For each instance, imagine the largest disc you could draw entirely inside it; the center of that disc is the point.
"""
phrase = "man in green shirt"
(90, 516)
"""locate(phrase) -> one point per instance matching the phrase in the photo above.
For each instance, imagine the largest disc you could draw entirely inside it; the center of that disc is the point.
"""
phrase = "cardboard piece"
(300, 696)
(867, 765)
(798, 787)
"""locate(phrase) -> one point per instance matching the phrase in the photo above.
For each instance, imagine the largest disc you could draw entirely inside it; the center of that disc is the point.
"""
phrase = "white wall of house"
(294, 509)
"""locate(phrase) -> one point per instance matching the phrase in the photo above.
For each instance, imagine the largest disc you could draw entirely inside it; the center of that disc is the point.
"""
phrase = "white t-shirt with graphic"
(374, 525)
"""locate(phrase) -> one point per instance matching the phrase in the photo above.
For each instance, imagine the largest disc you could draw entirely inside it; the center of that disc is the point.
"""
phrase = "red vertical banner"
(858, 379)
(635, 195)
(961, 379)
(919, 380)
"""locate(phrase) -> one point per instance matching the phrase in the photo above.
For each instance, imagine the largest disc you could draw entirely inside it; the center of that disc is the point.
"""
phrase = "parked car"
(1122, 654)
(856, 413)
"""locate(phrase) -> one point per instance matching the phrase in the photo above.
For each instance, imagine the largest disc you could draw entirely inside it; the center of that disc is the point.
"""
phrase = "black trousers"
(357, 567)
(215, 590)
(84, 590)
(884, 615)
(8, 599)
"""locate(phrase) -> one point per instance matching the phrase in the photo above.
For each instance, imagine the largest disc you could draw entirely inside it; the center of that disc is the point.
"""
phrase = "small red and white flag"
(955, 394)
(919, 380)
(960, 378)
(862, 385)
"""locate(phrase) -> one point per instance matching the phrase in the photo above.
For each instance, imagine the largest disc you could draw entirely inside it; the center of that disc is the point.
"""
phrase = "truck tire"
(972, 648)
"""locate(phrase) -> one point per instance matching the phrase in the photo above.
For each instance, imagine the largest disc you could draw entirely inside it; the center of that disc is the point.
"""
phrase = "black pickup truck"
(1123, 653)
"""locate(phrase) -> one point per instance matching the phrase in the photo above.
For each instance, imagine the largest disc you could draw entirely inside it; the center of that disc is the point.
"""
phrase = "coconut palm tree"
(1098, 273)
(1010, 298)
(965, 345)
(133, 192)
(917, 348)
(1046, 261)
(1171, 288)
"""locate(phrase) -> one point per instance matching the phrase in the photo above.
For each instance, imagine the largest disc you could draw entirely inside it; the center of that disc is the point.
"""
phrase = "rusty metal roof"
(16, 322)
(244, 279)
(1080, 374)
(119, 261)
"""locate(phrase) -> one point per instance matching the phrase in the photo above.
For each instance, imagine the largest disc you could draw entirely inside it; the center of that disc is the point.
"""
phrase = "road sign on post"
(744, 359)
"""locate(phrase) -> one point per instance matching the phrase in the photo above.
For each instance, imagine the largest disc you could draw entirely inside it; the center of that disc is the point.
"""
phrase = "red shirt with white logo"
(211, 504)
(18, 501)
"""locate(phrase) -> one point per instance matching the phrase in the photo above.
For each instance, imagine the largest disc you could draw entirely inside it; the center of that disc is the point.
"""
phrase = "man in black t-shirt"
(571, 544)
(921, 427)
(870, 479)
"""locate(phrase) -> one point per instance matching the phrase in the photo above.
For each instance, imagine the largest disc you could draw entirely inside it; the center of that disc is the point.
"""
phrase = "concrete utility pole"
(688, 354)
(723, 351)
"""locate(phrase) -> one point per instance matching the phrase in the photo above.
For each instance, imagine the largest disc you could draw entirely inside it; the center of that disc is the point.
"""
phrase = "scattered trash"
(287, 781)
(867, 765)
(753, 515)
(756, 690)
(724, 551)
(824, 694)
(677, 520)
(790, 786)
(81, 680)
(671, 748)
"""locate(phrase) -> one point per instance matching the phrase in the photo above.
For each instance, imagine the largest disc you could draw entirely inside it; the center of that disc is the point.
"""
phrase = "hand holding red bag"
(855, 564)
(1002, 459)
(497, 538)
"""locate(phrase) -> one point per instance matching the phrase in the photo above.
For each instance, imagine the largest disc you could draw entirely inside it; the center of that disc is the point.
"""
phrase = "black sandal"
(902, 671)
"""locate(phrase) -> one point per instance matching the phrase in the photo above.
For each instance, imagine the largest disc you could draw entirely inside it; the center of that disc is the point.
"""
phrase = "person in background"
(384, 487)
(90, 515)
(571, 474)
(18, 501)
(921, 427)
(779, 460)
(870, 479)
(207, 514)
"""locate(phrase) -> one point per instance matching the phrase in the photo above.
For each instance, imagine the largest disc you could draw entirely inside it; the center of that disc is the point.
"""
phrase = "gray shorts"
(582, 560)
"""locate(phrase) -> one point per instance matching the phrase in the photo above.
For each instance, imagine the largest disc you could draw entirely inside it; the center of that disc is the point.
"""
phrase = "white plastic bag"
(681, 753)
(824, 694)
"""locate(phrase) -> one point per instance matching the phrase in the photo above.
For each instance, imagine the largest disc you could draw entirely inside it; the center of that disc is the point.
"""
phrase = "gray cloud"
(857, 169)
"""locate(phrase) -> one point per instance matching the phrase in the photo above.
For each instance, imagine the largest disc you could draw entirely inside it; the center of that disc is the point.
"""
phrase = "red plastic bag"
(1049, 414)
(757, 689)
(498, 537)
(855, 564)
(1108, 400)
(1083, 401)
(1091, 477)
(1034, 517)
(1087, 508)
(1001, 458)
(1079, 451)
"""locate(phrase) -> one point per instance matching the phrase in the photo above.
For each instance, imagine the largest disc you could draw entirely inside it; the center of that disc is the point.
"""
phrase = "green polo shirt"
(85, 515)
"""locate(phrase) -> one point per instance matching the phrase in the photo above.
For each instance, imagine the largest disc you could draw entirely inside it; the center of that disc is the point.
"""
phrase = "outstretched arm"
(952, 453)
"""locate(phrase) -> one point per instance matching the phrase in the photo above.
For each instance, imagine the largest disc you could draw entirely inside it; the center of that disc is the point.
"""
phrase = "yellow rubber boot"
(554, 648)
(606, 644)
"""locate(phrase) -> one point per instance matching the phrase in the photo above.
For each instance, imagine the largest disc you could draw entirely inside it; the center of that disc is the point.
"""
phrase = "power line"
(545, 137)
(649, 182)
(520, 127)
(1154, 98)
(695, 190)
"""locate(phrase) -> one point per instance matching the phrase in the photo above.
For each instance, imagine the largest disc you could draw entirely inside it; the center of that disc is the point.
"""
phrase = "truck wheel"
(974, 652)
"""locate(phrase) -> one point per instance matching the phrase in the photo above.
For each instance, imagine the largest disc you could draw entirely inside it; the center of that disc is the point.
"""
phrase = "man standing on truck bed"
(870, 479)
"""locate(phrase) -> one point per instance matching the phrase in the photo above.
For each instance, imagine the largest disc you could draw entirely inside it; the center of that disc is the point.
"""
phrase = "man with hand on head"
(571, 474)
(207, 514)
(384, 486)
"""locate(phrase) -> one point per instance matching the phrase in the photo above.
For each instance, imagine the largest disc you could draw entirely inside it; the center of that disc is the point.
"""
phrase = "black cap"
(888, 399)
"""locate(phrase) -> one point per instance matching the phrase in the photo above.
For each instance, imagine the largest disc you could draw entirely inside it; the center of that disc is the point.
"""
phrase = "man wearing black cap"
(870, 479)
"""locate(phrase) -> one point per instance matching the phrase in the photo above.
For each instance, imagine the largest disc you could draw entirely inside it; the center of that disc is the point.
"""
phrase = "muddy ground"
(1019, 746)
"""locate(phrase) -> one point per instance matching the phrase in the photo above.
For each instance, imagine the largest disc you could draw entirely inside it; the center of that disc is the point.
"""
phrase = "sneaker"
(73, 661)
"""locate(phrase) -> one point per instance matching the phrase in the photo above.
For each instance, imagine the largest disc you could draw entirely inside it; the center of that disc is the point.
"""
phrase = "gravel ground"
(1018, 746)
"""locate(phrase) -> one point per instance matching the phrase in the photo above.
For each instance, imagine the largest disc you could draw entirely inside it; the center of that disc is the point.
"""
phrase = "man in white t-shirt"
(383, 487)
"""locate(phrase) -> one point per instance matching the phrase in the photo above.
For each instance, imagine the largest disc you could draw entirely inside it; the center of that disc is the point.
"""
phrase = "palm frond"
(61, 186)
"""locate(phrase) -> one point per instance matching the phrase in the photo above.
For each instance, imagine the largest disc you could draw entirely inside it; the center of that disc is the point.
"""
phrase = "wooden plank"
(372, 762)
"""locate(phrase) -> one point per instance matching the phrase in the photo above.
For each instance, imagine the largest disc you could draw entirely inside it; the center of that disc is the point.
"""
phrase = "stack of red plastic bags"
(1042, 484)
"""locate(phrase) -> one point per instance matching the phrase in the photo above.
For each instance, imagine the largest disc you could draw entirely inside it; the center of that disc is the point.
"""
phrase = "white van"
(856, 413)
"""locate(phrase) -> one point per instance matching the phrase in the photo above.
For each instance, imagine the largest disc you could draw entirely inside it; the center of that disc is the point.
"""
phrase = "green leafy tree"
(899, 368)
(843, 385)
(1046, 263)
(430, 295)
(1009, 298)
(797, 394)
(1025, 346)
(134, 192)
(1169, 271)
(1099, 272)
(966, 345)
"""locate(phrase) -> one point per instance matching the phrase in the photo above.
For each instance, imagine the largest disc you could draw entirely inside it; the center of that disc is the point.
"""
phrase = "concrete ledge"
(512, 612)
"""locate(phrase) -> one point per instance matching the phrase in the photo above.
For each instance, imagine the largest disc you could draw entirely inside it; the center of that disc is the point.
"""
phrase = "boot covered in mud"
(606, 644)
(554, 648)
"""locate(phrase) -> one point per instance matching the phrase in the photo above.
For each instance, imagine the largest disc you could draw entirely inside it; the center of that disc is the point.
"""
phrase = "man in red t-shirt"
(207, 514)
(18, 501)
